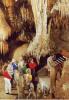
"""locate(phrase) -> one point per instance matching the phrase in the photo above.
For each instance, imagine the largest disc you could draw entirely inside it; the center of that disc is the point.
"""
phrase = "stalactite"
(62, 6)
(5, 30)
(26, 12)
(13, 15)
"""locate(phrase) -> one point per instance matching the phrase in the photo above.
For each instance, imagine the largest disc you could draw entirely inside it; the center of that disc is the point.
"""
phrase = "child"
(7, 79)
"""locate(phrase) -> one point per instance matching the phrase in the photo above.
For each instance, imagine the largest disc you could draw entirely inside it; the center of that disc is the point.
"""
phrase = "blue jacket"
(14, 66)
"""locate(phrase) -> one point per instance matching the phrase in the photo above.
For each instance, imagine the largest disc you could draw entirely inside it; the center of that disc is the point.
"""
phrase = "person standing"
(10, 71)
(32, 65)
(7, 80)
(54, 64)
(15, 67)
(14, 64)
(52, 68)
(21, 81)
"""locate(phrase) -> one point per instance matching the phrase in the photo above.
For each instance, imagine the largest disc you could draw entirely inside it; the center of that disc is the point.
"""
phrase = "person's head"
(5, 68)
(54, 57)
(31, 60)
(13, 60)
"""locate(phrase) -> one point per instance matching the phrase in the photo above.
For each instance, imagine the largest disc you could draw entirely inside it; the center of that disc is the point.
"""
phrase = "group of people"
(24, 73)
(13, 70)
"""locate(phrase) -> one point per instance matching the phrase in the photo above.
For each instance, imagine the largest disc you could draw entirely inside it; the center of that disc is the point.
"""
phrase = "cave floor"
(58, 95)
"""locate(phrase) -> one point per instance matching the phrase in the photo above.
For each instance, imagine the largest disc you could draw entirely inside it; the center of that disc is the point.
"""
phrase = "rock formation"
(39, 45)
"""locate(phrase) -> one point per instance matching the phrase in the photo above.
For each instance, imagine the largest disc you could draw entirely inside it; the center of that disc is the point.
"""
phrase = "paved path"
(2, 92)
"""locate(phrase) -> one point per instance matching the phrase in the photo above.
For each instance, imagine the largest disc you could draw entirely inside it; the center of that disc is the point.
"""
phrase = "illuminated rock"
(4, 47)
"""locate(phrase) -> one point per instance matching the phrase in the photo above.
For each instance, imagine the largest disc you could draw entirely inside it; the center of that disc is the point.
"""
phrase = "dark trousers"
(33, 73)
(12, 80)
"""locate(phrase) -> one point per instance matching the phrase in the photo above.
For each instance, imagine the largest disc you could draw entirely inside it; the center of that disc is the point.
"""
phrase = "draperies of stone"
(59, 34)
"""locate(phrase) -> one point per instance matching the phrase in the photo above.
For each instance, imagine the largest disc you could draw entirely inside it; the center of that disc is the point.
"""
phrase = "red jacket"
(32, 65)
(6, 75)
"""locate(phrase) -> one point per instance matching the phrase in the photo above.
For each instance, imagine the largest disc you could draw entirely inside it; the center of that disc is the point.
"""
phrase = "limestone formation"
(39, 45)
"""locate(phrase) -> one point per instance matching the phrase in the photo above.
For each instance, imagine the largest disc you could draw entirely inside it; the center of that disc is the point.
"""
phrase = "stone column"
(39, 44)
